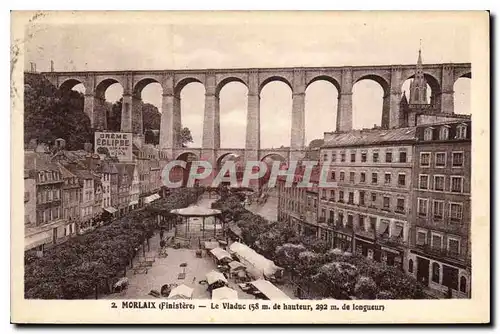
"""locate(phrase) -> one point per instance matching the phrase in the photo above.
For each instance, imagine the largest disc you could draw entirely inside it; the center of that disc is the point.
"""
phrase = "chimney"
(87, 147)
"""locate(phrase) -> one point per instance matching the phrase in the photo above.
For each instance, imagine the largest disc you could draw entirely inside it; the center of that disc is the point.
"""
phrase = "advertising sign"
(116, 144)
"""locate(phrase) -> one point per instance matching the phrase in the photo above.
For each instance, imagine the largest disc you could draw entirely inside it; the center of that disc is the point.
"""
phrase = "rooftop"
(369, 137)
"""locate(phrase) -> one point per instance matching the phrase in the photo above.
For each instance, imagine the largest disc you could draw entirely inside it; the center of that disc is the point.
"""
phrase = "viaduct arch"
(440, 77)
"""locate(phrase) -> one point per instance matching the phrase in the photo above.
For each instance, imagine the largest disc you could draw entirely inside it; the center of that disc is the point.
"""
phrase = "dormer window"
(443, 133)
(461, 131)
(428, 134)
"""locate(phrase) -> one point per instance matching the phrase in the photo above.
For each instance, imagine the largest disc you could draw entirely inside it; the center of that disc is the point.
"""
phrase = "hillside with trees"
(50, 114)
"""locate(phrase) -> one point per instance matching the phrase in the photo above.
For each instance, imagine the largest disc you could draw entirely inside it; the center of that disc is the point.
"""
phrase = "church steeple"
(418, 87)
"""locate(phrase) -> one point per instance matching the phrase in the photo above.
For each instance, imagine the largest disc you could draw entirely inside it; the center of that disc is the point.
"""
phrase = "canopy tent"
(151, 198)
(220, 254)
(110, 209)
(181, 292)
(215, 276)
(235, 265)
(211, 245)
(133, 203)
(195, 211)
(269, 290)
(249, 257)
(224, 293)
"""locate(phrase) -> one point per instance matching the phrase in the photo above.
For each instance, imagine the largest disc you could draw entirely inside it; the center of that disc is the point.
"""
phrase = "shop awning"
(215, 276)
(133, 203)
(382, 228)
(224, 293)
(110, 209)
(156, 196)
(150, 199)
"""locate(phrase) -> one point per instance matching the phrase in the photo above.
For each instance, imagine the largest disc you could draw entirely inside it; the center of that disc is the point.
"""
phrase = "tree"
(50, 114)
(149, 136)
(151, 117)
(185, 137)
(365, 288)
(114, 115)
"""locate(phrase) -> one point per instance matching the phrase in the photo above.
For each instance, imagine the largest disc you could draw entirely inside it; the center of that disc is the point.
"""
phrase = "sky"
(81, 46)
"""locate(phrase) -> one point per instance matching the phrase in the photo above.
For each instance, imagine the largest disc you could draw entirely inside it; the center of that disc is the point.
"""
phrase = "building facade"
(48, 226)
(71, 201)
(440, 255)
(369, 206)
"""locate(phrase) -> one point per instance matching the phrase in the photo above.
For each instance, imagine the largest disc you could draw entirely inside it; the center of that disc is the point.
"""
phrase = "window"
(333, 175)
(350, 219)
(398, 231)
(421, 238)
(361, 222)
(373, 223)
(387, 178)
(334, 157)
(453, 246)
(374, 197)
(341, 218)
(428, 134)
(400, 205)
(351, 177)
(332, 194)
(438, 209)
(374, 178)
(353, 157)
(437, 241)
(325, 158)
(435, 272)
(439, 182)
(402, 180)
(461, 132)
(363, 156)
(402, 156)
(342, 176)
(423, 181)
(440, 159)
(463, 284)
(410, 266)
(455, 212)
(457, 184)
(342, 157)
(388, 156)
(422, 207)
(362, 177)
(443, 133)
(361, 198)
(375, 156)
(351, 198)
(341, 196)
(323, 193)
(457, 159)
(386, 202)
(425, 159)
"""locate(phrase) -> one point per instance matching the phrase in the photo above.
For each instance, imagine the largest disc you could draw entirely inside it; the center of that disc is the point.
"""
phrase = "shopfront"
(343, 241)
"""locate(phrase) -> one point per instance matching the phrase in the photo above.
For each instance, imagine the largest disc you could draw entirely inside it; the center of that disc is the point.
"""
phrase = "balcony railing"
(441, 252)
(391, 241)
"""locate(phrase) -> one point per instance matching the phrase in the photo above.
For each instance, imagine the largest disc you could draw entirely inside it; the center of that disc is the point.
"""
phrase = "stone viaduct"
(440, 77)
